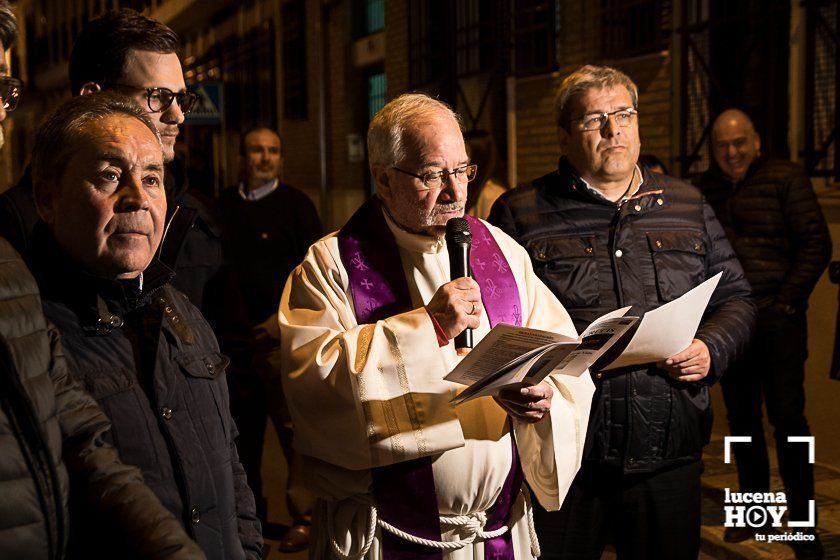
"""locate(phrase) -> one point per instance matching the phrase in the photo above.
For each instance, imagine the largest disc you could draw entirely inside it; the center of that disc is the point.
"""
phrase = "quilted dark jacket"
(597, 257)
(52, 436)
(151, 361)
(776, 226)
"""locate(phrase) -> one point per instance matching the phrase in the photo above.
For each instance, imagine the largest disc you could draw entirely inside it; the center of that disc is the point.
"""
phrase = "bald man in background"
(775, 224)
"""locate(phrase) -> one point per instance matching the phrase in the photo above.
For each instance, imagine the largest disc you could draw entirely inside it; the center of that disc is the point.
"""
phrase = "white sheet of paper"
(669, 329)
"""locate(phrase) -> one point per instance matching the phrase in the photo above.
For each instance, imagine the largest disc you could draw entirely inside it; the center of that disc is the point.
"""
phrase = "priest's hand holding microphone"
(457, 308)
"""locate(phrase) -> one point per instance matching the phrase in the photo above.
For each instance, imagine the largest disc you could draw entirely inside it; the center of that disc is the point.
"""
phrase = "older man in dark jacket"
(773, 219)
(603, 233)
(54, 439)
(52, 432)
(135, 343)
(126, 51)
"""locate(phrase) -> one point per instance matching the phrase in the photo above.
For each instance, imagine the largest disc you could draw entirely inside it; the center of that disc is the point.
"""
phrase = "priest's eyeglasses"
(10, 92)
(159, 99)
(434, 179)
(596, 121)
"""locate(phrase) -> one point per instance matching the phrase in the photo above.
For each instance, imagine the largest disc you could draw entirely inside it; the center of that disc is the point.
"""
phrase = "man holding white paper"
(604, 233)
(367, 322)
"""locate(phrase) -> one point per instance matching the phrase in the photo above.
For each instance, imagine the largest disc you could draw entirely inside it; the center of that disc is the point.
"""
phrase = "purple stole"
(370, 255)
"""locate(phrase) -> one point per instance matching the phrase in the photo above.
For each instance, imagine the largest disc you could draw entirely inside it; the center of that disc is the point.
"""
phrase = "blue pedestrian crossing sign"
(209, 108)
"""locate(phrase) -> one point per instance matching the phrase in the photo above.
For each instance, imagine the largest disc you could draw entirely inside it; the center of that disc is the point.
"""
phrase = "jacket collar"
(100, 303)
(716, 172)
(566, 183)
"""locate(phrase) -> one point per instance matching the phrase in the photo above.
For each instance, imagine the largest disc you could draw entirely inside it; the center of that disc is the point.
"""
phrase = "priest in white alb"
(367, 324)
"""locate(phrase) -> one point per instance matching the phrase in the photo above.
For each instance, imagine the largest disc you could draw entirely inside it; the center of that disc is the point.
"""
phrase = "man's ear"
(757, 140)
(382, 180)
(45, 198)
(89, 87)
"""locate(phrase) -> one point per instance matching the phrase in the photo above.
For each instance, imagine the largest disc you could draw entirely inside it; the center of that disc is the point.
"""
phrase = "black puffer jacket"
(151, 361)
(597, 257)
(776, 226)
(50, 428)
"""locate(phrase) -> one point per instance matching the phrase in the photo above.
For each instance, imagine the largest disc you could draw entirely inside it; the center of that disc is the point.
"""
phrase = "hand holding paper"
(692, 364)
(528, 404)
(668, 329)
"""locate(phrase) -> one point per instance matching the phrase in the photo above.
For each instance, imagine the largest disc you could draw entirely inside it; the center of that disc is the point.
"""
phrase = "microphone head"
(458, 231)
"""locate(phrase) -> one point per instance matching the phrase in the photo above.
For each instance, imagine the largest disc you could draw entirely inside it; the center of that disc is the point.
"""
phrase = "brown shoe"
(295, 539)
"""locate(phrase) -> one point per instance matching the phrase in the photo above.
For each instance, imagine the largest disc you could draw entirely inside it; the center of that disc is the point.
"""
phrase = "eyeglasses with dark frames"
(434, 179)
(10, 89)
(597, 121)
(159, 99)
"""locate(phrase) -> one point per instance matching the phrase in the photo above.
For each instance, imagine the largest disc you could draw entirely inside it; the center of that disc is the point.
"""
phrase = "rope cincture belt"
(472, 524)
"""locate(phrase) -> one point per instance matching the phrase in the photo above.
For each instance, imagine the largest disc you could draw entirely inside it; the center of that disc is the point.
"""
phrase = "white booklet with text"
(510, 356)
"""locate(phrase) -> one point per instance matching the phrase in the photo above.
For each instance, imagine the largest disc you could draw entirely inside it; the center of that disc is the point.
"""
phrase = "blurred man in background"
(269, 225)
(774, 221)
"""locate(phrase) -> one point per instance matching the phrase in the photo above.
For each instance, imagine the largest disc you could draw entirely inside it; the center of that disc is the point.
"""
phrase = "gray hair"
(59, 134)
(386, 130)
(589, 77)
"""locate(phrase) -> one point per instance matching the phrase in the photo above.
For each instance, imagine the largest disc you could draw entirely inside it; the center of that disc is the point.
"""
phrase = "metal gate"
(732, 54)
(822, 88)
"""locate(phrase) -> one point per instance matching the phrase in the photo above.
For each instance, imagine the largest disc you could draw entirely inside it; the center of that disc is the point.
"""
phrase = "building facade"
(317, 70)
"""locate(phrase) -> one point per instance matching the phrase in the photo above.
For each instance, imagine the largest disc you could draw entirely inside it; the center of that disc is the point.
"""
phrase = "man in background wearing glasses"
(129, 52)
(604, 233)
(367, 322)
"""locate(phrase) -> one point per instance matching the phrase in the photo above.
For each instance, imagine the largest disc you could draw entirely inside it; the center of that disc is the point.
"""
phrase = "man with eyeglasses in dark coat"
(604, 233)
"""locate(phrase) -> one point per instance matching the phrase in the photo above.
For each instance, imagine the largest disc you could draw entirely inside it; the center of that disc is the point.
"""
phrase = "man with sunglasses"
(604, 233)
(367, 325)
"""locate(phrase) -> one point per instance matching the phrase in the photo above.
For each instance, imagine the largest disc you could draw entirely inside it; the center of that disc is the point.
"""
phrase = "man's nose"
(732, 151)
(133, 195)
(173, 114)
(610, 127)
(453, 188)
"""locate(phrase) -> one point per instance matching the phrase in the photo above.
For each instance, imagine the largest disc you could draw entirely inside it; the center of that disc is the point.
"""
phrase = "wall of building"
(536, 131)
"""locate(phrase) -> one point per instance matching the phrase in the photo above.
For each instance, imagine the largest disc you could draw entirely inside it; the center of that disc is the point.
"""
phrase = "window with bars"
(295, 104)
(368, 17)
(478, 35)
(534, 37)
(246, 66)
(472, 29)
(427, 38)
(374, 16)
(377, 86)
(822, 85)
(634, 27)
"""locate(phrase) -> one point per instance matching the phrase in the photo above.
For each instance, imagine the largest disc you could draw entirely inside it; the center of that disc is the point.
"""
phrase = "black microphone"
(458, 241)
